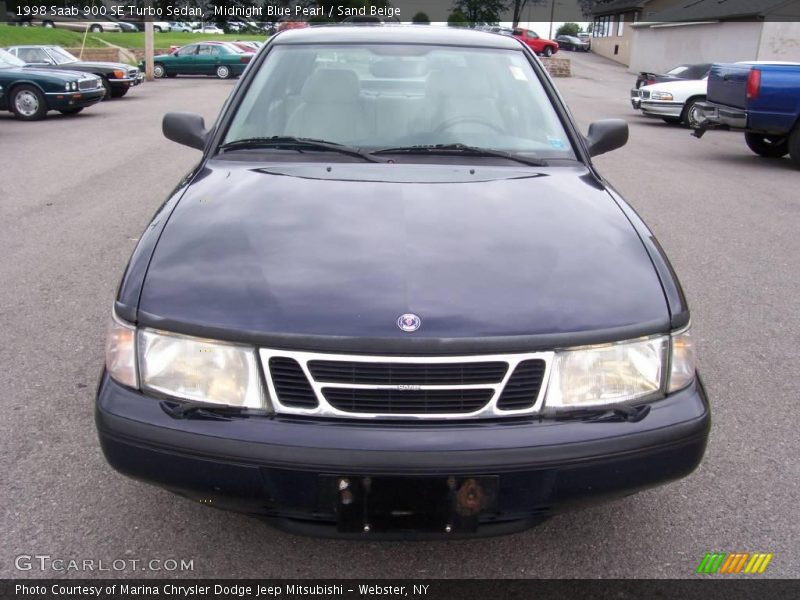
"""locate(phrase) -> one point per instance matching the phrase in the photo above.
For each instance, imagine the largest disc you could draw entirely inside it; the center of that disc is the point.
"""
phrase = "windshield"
(386, 96)
(61, 56)
(8, 60)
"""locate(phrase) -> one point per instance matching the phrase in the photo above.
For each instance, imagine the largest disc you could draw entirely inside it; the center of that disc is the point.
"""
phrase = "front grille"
(421, 402)
(291, 384)
(335, 371)
(351, 386)
(522, 388)
(133, 73)
(87, 84)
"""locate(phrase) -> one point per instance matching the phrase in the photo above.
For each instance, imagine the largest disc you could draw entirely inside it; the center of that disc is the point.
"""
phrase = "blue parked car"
(760, 98)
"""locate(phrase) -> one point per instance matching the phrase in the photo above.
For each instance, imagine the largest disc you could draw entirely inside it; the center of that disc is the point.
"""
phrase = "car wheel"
(794, 145)
(768, 146)
(48, 24)
(156, 29)
(71, 111)
(119, 92)
(96, 29)
(28, 103)
(689, 117)
(548, 51)
(107, 87)
(159, 70)
(223, 71)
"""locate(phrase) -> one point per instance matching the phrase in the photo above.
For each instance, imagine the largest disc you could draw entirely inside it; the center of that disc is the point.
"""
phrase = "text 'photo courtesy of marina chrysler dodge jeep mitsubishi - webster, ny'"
(396, 299)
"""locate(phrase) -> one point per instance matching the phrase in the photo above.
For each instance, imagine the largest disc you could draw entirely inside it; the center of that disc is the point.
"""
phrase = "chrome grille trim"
(88, 84)
(325, 409)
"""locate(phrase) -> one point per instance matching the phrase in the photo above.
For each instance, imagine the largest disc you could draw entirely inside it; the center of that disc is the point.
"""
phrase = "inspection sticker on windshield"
(518, 73)
(556, 142)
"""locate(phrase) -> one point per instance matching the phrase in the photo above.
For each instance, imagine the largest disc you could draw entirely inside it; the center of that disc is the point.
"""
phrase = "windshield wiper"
(199, 410)
(615, 414)
(462, 149)
(297, 143)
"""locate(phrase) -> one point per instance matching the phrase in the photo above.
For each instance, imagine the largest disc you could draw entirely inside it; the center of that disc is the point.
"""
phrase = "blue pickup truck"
(760, 98)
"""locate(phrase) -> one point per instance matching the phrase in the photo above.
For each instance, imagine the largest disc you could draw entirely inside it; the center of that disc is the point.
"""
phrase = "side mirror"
(185, 128)
(606, 135)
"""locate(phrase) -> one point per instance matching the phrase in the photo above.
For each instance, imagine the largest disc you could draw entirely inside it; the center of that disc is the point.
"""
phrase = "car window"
(187, 50)
(33, 55)
(698, 71)
(8, 60)
(60, 55)
(205, 50)
(680, 71)
(399, 95)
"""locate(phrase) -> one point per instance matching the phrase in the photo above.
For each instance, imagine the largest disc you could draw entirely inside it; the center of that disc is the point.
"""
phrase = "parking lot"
(75, 193)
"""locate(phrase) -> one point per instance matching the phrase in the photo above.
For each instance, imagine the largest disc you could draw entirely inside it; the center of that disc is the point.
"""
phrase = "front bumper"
(279, 467)
(80, 99)
(654, 108)
(127, 82)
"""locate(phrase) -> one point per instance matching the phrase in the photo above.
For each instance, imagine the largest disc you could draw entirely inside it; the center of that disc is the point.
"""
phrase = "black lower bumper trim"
(277, 468)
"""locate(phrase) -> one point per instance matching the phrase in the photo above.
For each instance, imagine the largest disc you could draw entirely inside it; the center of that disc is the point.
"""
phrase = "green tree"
(421, 19)
(457, 19)
(569, 29)
(481, 12)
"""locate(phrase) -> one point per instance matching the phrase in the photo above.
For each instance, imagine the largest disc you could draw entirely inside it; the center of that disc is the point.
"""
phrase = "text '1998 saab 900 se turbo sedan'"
(395, 298)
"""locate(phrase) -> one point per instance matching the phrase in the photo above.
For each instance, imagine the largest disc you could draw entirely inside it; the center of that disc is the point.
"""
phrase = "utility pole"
(149, 44)
(552, 13)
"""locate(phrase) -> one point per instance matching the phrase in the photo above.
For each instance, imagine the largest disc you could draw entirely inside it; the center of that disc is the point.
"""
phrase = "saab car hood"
(493, 251)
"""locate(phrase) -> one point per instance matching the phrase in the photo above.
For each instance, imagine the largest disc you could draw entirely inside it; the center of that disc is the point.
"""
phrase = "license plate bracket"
(424, 504)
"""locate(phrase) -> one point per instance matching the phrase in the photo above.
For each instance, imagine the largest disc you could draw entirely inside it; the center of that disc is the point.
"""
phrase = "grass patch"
(12, 36)
(165, 40)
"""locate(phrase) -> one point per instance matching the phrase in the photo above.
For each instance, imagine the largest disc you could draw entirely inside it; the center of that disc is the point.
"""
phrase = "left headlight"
(199, 369)
(600, 375)
(660, 96)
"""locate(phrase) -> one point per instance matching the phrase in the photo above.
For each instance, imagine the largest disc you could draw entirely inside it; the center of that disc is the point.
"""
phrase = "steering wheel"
(450, 123)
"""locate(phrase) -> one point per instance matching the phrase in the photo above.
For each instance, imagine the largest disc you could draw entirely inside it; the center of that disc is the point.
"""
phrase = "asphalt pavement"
(76, 192)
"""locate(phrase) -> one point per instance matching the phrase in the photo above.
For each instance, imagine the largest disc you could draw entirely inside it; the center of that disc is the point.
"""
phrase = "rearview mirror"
(185, 128)
(606, 135)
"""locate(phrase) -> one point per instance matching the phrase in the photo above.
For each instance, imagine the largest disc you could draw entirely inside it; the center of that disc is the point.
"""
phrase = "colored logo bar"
(734, 562)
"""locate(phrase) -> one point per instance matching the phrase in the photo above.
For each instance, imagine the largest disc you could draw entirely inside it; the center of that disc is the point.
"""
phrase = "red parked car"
(247, 49)
(538, 44)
